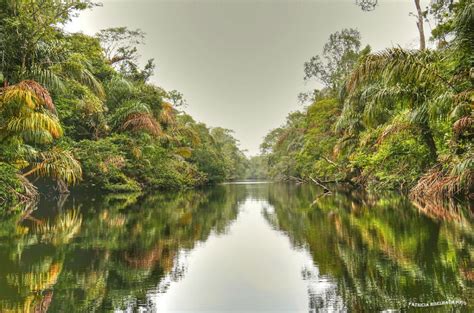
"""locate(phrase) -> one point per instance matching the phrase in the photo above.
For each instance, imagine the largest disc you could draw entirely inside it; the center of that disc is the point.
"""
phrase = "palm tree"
(412, 90)
(28, 117)
(397, 81)
(58, 164)
(135, 116)
(28, 114)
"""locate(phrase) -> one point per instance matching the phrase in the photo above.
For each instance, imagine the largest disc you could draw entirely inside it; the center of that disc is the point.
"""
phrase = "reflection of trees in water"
(381, 251)
(107, 252)
(446, 209)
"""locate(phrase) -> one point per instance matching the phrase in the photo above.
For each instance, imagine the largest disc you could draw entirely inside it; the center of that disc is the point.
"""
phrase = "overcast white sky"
(239, 63)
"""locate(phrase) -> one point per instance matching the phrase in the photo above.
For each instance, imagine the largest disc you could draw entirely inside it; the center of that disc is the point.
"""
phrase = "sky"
(239, 63)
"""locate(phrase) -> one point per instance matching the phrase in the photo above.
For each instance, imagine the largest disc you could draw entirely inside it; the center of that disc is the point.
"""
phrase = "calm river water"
(253, 247)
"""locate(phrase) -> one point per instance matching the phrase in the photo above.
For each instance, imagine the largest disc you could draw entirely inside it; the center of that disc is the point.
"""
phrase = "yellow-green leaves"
(59, 164)
(29, 93)
(29, 112)
(36, 121)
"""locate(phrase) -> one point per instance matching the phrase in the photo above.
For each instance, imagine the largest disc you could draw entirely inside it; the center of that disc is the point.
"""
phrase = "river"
(247, 247)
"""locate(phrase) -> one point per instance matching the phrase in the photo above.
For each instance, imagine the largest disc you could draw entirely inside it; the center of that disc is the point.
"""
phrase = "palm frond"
(47, 78)
(40, 136)
(120, 83)
(464, 172)
(78, 68)
(184, 152)
(28, 92)
(461, 110)
(350, 120)
(91, 104)
(191, 133)
(135, 116)
(464, 26)
(35, 122)
(125, 112)
(396, 64)
(58, 164)
(440, 104)
(463, 124)
(141, 122)
(88, 79)
(419, 115)
(167, 115)
(399, 123)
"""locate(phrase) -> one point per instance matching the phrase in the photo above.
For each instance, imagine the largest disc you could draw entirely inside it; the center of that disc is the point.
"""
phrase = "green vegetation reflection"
(382, 252)
(104, 253)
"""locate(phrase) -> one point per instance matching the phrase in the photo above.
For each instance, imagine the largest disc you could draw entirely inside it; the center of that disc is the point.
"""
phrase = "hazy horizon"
(239, 64)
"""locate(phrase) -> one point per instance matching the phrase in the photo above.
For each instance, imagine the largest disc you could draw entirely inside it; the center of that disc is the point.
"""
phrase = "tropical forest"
(78, 110)
(118, 194)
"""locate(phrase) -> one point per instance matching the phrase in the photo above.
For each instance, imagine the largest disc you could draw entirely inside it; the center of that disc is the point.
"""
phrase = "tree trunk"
(419, 24)
(62, 186)
(429, 141)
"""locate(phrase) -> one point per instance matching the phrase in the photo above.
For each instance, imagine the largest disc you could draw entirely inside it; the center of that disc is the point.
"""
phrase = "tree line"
(393, 119)
(81, 110)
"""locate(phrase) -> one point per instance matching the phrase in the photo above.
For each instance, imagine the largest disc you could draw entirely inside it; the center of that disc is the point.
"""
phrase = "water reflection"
(98, 254)
(382, 252)
(245, 247)
(253, 268)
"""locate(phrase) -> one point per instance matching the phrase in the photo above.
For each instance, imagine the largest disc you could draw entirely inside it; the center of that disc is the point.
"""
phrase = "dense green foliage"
(12, 187)
(257, 168)
(80, 110)
(399, 119)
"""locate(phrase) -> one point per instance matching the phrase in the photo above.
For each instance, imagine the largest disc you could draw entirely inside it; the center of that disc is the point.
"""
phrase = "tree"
(28, 114)
(339, 56)
(58, 164)
(281, 146)
(384, 81)
(369, 5)
(419, 24)
(119, 44)
(445, 13)
(28, 118)
(423, 93)
(135, 116)
(28, 29)
(228, 148)
(176, 98)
